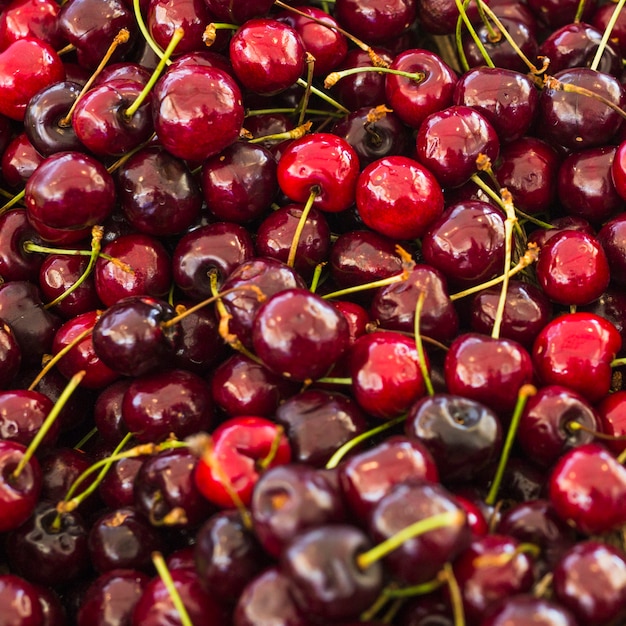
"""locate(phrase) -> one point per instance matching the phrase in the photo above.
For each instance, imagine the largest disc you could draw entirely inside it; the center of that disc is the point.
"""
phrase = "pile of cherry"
(312, 314)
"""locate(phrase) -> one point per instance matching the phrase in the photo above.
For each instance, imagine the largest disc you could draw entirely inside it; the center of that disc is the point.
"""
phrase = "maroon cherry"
(192, 16)
(526, 610)
(19, 161)
(19, 600)
(10, 355)
(239, 13)
(15, 262)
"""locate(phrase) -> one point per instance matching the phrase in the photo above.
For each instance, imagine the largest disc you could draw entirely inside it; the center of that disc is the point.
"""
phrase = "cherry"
(19, 161)
(299, 335)
(375, 22)
(111, 598)
(386, 373)
(238, 13)
(126, 70)
(117, 488)
(488, 370)
(240, 183)
(26, 612)
(321, 163)
(18, 494)
(593, 598)
(463, 436)
(163, 18)
(61, 467)
(564, 276)
(220, 247)
(159, 404)
(449, 142)
(524, 609)
(600, 20)
(10, 355)
(26, 66)
(575, 350)
(414, 100)
(107, 412)
(241, 449)
(15, 262)
(197, 111)
(227, 556)
(30, 18)
(122, 539)
(397, 197)
(555, 13)
(367, 476)
(158, 193)
(612, 420)
(586, 488)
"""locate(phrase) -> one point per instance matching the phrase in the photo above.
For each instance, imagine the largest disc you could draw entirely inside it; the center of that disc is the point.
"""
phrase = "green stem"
(607, 32)
(145, 32)
(291, 259)
(291, 111)
(336, 458)
(334, 77)
(12, 202)
(166, 577)
(419, 344)
(304, 103)
(579, 11)
(317, 274)
(525, 392)
(320, 94)
(479, 44)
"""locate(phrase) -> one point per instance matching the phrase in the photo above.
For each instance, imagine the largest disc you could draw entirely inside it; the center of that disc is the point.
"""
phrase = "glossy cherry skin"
(487, 370)
(129, 336)
(26, 66)
(526, 311)
(299, 335)
(463, 436)
(111, 598)
(368, 475)
(573, 269)
(220, 247)
(317, 422)
(526, 610)
(326, 580)
(241, 386)
(319, 162)
(15, 262)
(239, 13)
(69, 192)
(147, 269)
(398, 197)
(30, 18)
(611, 238)
(613, 420)
(449, 142)
(375, 22)
(386, 374)
(175, 401)
(45, 110)
(590, 580)
(413, 100)
(19, 600)
(197, 110)
(490, 570)
(10, 355)
(575, 350)
(528, 168)
(107, 412)
(586, 488)
(577, 121)
(466, 243)
(227, 555)
(18, 495)
(163, 18)
(19, 161)
(506, 98)
(240, 183)
(155, 606)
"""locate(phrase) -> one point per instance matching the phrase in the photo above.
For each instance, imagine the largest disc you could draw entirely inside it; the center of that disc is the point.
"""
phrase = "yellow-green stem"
(607, 33)
(291, 259)
(419, 344)
(161, 568)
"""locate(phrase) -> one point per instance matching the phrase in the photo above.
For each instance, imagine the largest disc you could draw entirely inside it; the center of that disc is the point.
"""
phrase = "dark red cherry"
(19, 601)
(611, 238)
(413, 100)
(175, 401)
(127, 70)
(590, 580)
(10, 355)
(15, 262)
(487, 370)
(197, 111)
(526, 610)
(158, 193)
(239, 13)
(18, 494)
(367, 476)
(398, 197)
(240, 183)
(600, 20)
(163, 18)
(506, 98)
(107, 412)
(576, 350)
(111, 597)
(220, 247)
(463, 436)
(466, 243)
(449, 142)
(19, 161)
(117, 489)
(587, 487)
(317, 422)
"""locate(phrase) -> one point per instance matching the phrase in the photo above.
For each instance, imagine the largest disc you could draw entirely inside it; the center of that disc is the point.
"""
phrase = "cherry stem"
(529, 257)
(618, 362)
(164, 573)
(579, 11)
(334, 77)
(304, 102)
(92, 433)
(48, 422)
(31, 246)
(291, 259)
(510, 220)
(117, 164)
(210, 32)
(341, 452)
(13, 201)
(145, 32)
(419, 344)
(317, 274)
(525, 392)
(575, 426)
(294, 133)
(265, 462)
(456, 598)
(289, 111)
(607, 32)
(463, 19)
(121, 37)
(357, 42)
(621, 459)
(324, 96)
(492, 35)
(179, 33)
(334, 380)
(434, 522)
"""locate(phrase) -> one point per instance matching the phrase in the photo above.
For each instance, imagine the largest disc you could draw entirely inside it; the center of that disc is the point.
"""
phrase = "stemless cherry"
(19, 161)
(26, 612)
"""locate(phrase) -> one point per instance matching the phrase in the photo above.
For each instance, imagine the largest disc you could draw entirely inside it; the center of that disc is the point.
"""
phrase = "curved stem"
(145, 32)
(479, 44)
(334, 77)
